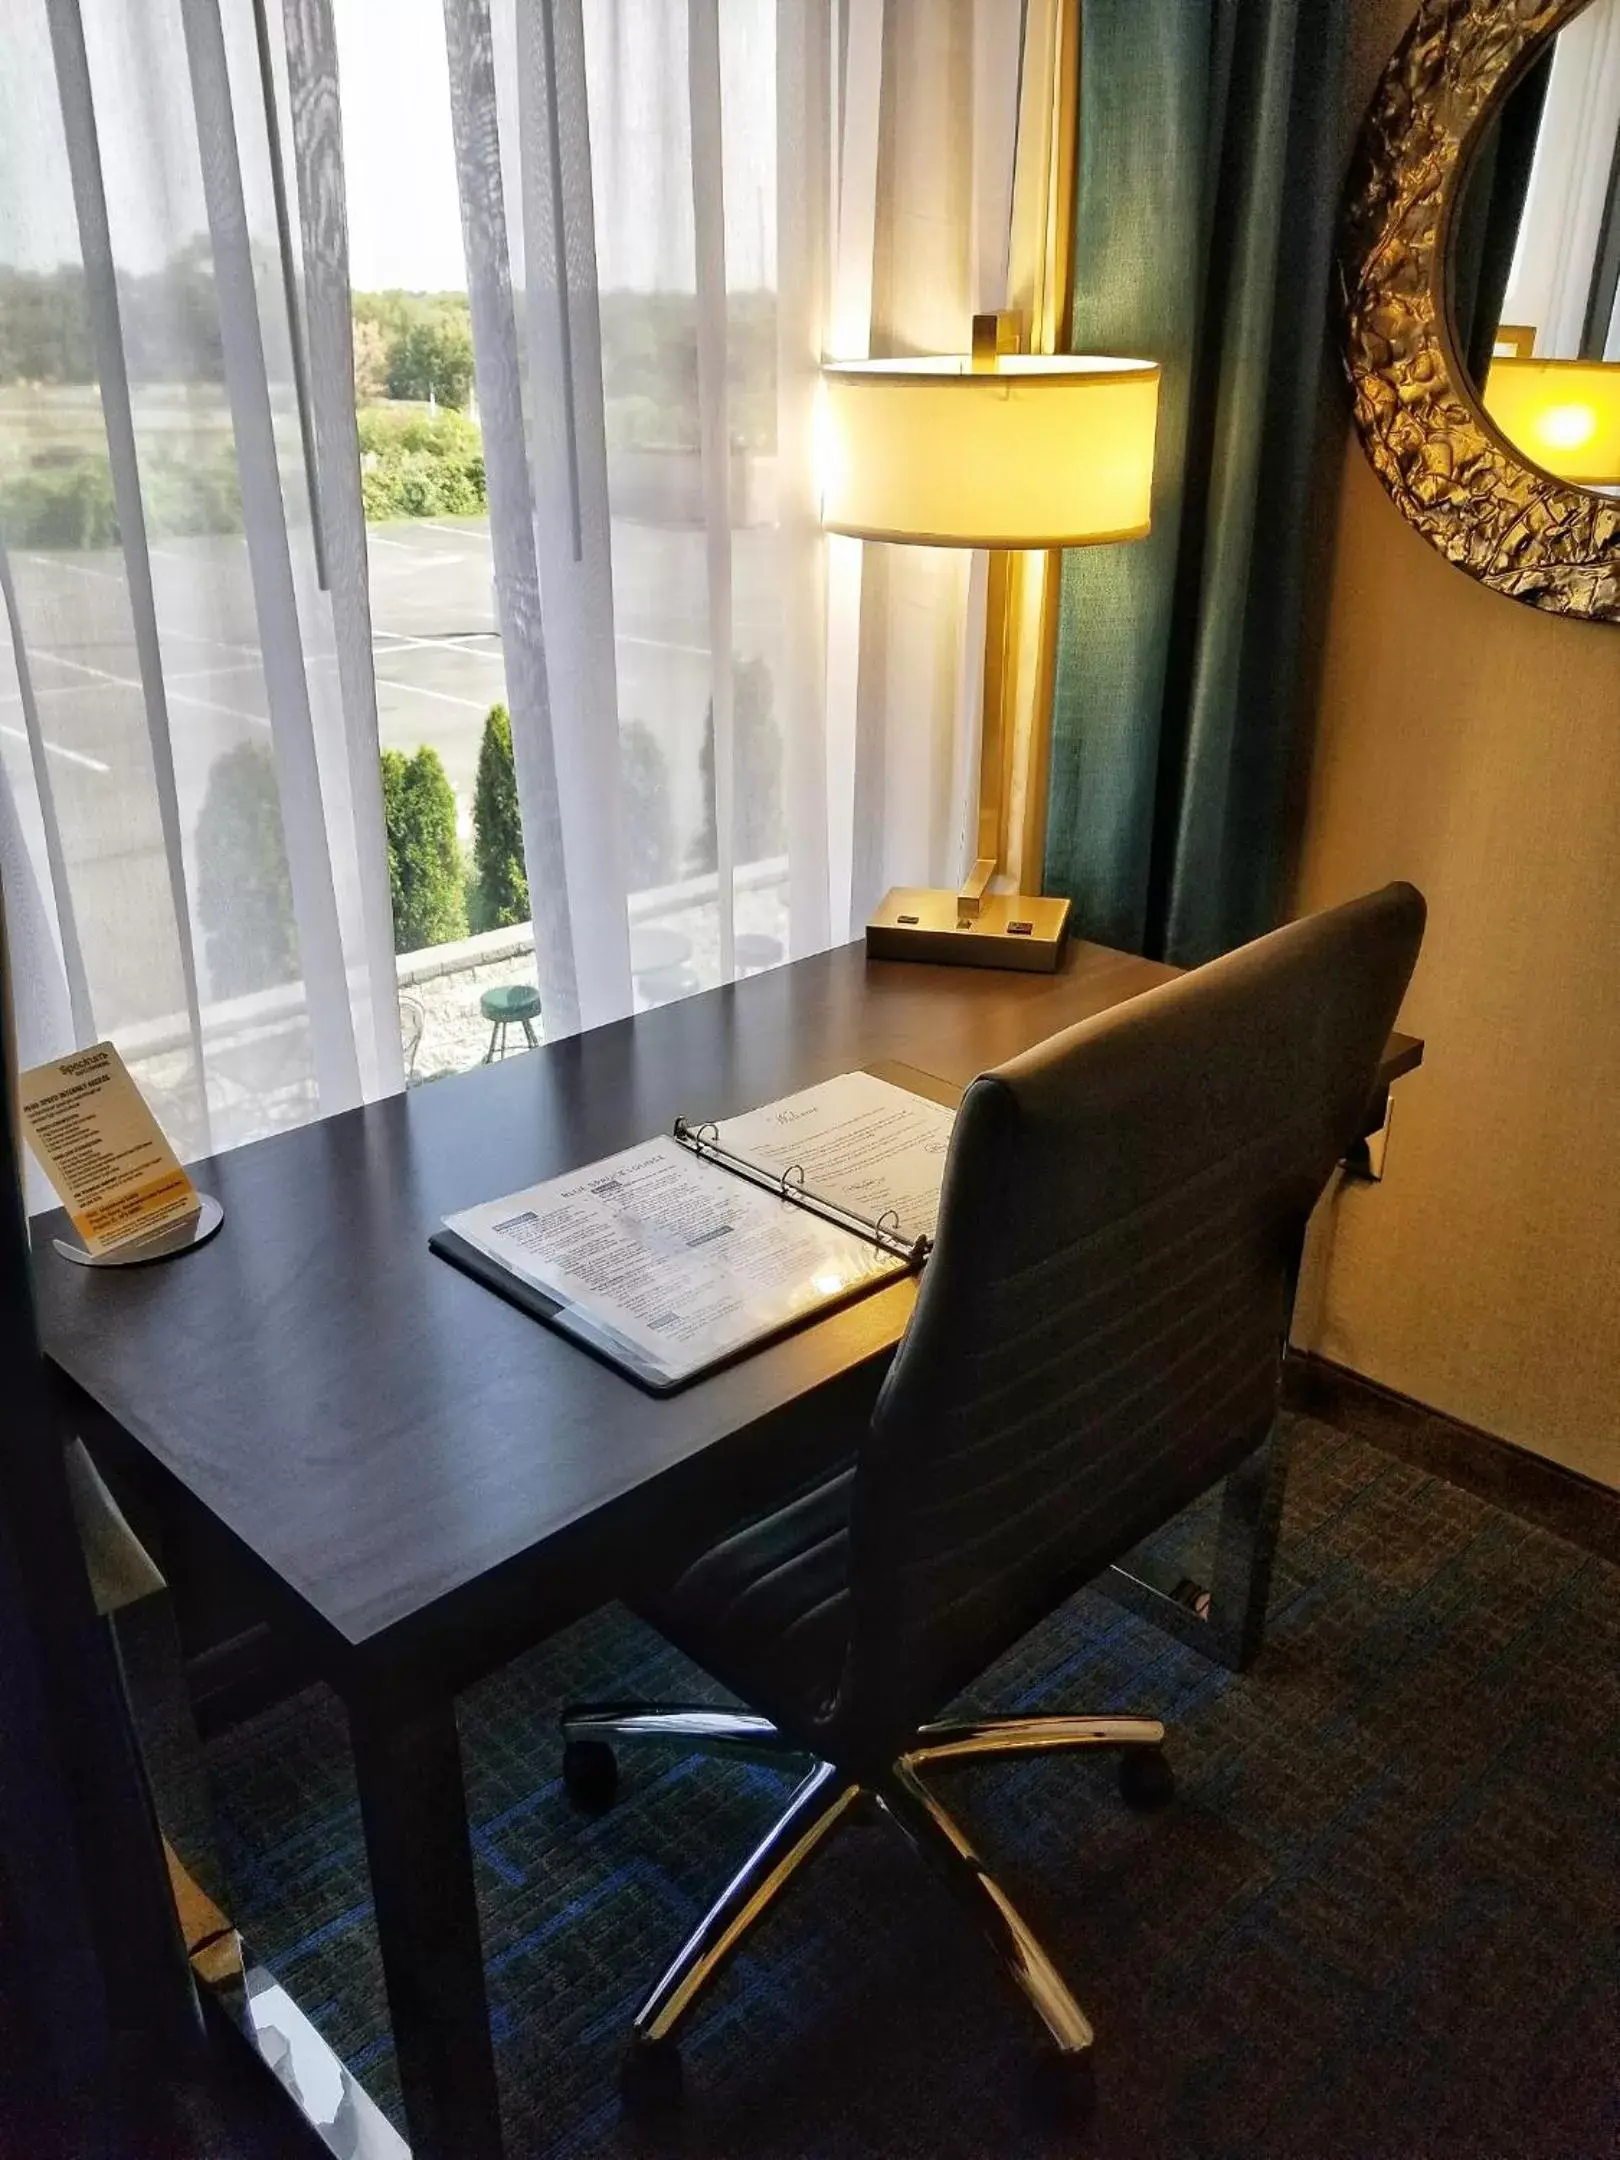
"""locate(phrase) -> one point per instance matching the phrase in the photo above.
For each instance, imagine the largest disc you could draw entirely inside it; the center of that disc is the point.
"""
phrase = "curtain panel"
(758, 184)
(1209, 171)
(190, 822)
(1559, 232)
(670, 212)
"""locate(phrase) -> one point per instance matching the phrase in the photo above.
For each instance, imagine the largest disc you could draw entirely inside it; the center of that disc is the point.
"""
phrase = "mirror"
(1533, 265)
(1480, 272)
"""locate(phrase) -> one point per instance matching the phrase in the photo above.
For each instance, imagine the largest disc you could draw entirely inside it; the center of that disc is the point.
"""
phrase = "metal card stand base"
(176, 1237)
(1226, 1618)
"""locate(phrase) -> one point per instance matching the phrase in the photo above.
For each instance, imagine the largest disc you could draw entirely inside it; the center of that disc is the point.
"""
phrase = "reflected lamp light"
(999, 450)
(1564, 414)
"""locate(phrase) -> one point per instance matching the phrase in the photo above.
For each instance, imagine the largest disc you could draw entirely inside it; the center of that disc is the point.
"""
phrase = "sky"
(399, 163)
(404, 224)
(404, 219)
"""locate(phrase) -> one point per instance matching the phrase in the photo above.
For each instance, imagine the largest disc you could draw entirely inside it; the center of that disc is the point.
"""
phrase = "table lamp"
(1003, 450)
(1565, 414)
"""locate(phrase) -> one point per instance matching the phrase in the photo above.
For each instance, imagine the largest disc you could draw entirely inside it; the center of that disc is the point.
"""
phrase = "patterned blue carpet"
(1382, 1919)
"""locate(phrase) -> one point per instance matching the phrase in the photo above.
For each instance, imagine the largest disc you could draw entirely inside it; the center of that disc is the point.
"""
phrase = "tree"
(649, 833)
(433, 358)
(500, 889)
(757, 763)
(244, 888)
(44, 326)
(424, 856)
(370, 360)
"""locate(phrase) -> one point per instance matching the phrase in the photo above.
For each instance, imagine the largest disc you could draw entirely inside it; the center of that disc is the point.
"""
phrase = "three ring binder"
(885, 1233)
(667, 1269)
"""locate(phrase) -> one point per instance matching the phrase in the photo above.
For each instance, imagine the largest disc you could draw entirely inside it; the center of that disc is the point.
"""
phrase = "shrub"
(60, 506)
(67, 501)
(244, 888)
(424, 856)
(419, 464)
(757, 761)
(649, 833)
(192, 495)
(500, 882)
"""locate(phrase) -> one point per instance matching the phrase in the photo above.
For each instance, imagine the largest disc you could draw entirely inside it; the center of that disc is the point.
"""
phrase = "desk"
(417, 1480)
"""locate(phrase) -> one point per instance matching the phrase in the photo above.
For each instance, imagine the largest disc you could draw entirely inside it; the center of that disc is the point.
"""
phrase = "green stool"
(513, 1005)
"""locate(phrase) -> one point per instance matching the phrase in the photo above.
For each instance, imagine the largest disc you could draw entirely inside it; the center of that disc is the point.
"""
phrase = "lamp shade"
(1038, 451)
(1564, 414)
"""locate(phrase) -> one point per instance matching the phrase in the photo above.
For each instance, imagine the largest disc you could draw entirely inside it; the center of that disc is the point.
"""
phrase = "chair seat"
(767, 1611)
(510, 1001)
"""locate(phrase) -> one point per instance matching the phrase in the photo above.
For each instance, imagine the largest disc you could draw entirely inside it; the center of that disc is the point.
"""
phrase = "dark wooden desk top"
(394, 1451)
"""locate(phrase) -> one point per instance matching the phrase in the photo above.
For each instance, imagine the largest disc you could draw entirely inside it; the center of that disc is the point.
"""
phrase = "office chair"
(1097, 1340)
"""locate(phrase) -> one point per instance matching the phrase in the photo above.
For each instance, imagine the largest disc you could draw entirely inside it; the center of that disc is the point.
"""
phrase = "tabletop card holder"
(165, 1244)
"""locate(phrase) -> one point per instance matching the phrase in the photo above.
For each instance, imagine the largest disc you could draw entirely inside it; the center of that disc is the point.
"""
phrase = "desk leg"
(1226, 1618)
(414, 1809)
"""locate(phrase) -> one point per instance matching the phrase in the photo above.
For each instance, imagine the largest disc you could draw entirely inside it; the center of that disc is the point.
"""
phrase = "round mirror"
(1533, 265)
(1480, 269)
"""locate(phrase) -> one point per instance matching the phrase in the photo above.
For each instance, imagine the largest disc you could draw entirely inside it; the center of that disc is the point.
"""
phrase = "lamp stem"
(993, 335)
(992, 729)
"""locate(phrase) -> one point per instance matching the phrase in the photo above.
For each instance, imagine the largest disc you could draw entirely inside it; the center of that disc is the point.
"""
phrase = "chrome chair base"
(822, 1800)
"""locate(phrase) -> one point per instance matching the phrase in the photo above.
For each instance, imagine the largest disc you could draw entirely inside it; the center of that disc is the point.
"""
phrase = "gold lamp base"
(1000, 930)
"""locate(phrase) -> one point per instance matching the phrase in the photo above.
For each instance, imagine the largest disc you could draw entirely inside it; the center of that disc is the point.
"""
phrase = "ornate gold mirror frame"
(1448, 470)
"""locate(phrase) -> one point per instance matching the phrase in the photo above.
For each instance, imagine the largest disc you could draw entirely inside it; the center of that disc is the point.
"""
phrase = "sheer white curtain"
(1560, 231)
(190, 823)
(673, 210)
(730, 733)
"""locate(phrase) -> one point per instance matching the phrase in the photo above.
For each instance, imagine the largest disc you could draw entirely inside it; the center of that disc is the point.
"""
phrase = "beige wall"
(1472, 744)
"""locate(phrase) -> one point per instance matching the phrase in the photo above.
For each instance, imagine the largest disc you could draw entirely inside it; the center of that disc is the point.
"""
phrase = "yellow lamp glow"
(1563, 414)
(1034, 451)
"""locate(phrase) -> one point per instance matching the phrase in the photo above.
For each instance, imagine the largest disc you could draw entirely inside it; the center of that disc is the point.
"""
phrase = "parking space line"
(231, 712)
(405, 640)
(205, 674)
(55, 689)
(658, 644)
(79, 569)
(456, 532)
(418, 561)
(61, 750)
(190, 637)
(83, 667)
(176, 697)
(444, 697)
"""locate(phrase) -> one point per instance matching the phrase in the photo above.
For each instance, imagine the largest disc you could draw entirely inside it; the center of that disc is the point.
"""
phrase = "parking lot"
(438, 664)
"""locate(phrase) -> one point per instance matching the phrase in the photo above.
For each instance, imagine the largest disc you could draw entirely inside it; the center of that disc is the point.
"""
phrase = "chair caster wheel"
(650, 2078)
(590, 1772)
(1146, 1780)
(1065, 2089)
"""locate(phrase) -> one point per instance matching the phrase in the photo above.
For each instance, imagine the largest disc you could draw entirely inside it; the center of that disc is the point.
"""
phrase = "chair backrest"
(1098, 1334)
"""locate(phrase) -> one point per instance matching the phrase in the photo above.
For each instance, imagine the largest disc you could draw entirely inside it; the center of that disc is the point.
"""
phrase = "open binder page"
(870, 1148)
(666, 1264)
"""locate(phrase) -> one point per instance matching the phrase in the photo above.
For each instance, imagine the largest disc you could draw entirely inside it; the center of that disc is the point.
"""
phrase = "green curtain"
(1209, 170)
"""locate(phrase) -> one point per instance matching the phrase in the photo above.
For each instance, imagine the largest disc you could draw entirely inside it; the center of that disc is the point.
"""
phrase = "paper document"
(666, 1263)
(869, 1147)
(102, 1149)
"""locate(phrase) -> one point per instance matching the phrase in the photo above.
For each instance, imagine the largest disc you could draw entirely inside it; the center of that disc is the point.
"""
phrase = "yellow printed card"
(101, 1148)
